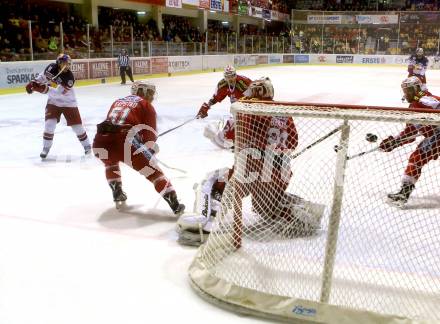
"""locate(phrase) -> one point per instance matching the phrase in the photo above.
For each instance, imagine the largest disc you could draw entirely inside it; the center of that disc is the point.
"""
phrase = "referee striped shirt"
(123, 60)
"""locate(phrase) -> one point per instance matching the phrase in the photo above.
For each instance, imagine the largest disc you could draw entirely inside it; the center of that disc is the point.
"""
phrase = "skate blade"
(120, 205)
(398, 204)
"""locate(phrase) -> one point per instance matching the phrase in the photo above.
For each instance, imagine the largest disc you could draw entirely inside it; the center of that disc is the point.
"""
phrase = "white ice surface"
(66, 255)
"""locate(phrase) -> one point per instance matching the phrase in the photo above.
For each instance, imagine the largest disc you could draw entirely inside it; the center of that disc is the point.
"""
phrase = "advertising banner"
(80, 70)
(173, 3)
(115, 67)
(300, 58)
(216, 5)
(262, 59)
(18, 73)
(401, 59)
(420, 17)
(257, 12)
(322, 58)
(100, 69)
(344, 58)
(184, 63)
(245, 60)
(141, 66)
(159, 65)
(371, 59)
(204, 4)
(320, 19)
(194, 3)
(377, 19)
(216, 61)
(275, 59)
(289, 58)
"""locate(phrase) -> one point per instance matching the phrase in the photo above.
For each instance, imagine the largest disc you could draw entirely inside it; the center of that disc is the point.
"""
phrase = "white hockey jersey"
(63, 94)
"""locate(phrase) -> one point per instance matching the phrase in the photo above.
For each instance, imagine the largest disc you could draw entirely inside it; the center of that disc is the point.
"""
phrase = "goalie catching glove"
(36, 86)
(203, 111)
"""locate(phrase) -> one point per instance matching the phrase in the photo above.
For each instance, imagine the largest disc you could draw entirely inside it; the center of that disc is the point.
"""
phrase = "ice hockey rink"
(67, 256)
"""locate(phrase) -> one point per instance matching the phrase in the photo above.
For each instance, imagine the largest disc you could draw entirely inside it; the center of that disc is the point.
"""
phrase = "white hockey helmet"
(230, 73)
(143, 89)
(261, 89)
(411, 87)
(419, 52)
(412, 82)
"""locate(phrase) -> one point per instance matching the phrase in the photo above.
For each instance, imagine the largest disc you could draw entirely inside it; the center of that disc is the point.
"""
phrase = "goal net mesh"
(306, 229)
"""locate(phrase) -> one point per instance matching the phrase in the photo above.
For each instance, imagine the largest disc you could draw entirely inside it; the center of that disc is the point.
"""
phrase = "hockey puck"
(372, 138)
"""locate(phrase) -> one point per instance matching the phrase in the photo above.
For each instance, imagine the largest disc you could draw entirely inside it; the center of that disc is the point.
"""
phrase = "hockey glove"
(29, 87)
(203, 111)
(40, 87)
(36, 86)
(388, 144)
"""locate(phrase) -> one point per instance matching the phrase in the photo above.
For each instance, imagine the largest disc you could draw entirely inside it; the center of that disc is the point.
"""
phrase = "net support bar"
(335, 216)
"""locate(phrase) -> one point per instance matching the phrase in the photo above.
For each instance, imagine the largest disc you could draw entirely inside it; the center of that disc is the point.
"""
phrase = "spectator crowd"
(81, 40)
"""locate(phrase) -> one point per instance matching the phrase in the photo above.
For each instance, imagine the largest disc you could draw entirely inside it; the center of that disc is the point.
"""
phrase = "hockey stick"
(374, 149)
(171, 129)
(334, 131)
(139, 146)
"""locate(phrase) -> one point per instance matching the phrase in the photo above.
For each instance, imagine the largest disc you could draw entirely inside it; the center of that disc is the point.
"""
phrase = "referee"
(124, 66)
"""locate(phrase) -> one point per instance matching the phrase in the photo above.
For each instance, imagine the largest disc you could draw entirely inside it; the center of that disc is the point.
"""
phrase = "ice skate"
(44, 152)
(119, 196)
(400, 198)
(176, 207)
(87, 150)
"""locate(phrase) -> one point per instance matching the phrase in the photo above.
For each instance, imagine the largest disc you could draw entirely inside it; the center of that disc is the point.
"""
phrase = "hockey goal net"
(306, 230)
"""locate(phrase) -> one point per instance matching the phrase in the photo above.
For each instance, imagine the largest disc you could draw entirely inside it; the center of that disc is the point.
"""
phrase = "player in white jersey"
(61, 101)
(417, 66)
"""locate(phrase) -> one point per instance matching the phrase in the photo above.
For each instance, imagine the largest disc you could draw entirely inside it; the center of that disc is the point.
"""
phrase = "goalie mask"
(261, 89)
(411, 88)
(419, 52)
(144, 89)
(64, 61)
(230, 74)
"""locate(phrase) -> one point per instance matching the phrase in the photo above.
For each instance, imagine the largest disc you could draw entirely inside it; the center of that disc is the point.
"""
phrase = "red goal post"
(325, 245)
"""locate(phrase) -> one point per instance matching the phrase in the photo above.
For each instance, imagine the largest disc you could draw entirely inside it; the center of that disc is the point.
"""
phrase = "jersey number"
(118, 115)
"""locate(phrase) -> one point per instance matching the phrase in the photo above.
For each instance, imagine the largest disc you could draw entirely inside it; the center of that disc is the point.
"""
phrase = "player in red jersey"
(427, 150)
(129, 135)
(262, 170)
(232, 86)
(266, 143)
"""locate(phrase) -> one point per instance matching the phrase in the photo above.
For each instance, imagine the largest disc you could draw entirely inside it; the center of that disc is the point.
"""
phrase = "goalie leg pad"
(193, 230)
(216, 136)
